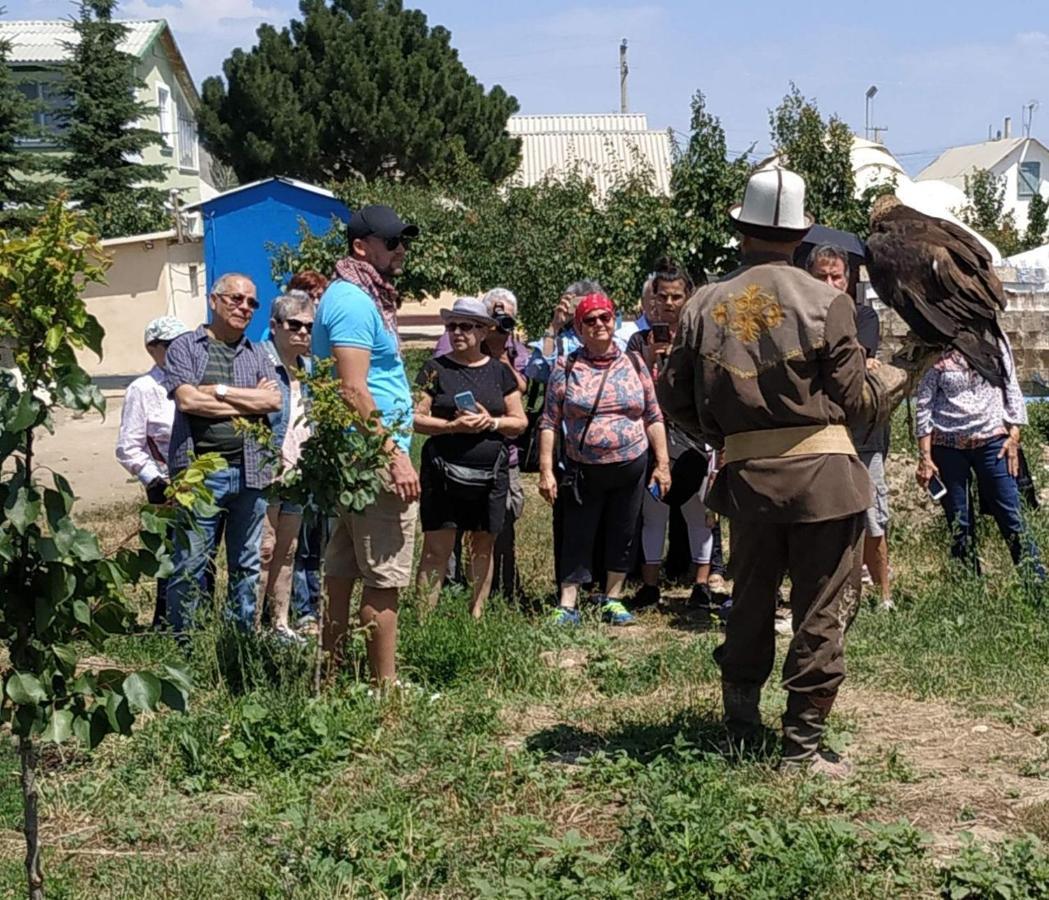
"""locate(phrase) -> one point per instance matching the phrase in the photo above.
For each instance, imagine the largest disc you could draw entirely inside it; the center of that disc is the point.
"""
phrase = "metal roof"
(302, 185)
(603, 147)
(43, 41)
(954, 164)
(586, 122)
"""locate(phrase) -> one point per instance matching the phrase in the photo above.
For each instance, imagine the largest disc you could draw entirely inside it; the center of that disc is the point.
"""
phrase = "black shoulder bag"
(572, 478)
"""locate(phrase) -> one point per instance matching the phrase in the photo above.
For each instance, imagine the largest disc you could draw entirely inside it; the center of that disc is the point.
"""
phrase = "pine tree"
(360, 88)
(21, 195)
(101, 137)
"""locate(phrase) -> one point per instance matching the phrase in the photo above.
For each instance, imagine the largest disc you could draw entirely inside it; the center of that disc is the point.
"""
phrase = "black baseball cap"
(380, 221)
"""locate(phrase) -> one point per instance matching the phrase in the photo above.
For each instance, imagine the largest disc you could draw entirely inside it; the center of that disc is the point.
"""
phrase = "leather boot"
(804, 724)
(742, 717)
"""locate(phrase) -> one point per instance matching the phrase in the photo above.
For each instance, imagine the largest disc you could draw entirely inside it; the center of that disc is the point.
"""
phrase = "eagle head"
(882, 206)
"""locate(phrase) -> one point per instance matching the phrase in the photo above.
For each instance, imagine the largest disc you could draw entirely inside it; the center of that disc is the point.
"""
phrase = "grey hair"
(583, 287)
(500, 295)
(827, 251)
(290, 304)
(222, 283)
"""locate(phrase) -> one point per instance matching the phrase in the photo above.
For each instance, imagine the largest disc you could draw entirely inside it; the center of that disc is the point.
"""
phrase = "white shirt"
(145, 427)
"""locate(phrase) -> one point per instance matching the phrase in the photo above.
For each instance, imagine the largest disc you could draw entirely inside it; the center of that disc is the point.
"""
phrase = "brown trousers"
(823, 560)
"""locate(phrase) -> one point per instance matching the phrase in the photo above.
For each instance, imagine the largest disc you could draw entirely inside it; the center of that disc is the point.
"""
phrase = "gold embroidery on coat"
(749, 314)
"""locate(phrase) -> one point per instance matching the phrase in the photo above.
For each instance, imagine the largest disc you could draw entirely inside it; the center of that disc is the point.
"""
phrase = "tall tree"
(357, 89)
(101, 137)
(21, 194)
(704, 184)
(821, 152)
(1037, 222)
(985, 211)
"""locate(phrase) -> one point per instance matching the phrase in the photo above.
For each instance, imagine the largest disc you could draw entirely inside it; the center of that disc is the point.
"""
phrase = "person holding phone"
(469, 406)
(965, 424)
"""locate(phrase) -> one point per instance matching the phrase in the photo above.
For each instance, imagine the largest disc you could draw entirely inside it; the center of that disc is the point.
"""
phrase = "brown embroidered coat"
(768, 346)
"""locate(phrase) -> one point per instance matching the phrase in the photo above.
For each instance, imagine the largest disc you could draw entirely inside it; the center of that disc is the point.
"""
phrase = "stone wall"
(1025, 320)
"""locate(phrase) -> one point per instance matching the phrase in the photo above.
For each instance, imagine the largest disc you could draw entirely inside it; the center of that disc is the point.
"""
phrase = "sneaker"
(563, 615)
(647, 595)
(402, 687)
(865, 576)
(717, 584)
(614, 613)
(307, 621)
(784, 627)
(887, 605)
(701, 597)
(286, 636)
(823, 762)
(722, 611)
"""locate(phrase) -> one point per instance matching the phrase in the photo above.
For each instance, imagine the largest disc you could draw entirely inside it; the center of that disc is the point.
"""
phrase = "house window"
(1028, 180)
(194, 280)
(166, 114)
(49, 104)
(187, 137)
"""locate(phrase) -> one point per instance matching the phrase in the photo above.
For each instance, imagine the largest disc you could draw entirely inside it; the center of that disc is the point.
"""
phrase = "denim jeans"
(306, 581)
(999, 492)
(243, 511)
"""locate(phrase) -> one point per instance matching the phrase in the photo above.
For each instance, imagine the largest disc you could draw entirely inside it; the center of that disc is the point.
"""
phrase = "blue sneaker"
(614, 612)
(722, 611)
(565, 616)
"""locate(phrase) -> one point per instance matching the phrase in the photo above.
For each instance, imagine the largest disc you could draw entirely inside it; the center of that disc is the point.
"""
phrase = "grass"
(571, 764)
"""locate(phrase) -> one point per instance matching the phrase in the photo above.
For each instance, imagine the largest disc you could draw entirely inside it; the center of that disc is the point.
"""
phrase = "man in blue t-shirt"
(356, 325)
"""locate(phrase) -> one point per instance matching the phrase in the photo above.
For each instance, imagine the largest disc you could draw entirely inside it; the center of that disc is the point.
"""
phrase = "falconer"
(767, 367)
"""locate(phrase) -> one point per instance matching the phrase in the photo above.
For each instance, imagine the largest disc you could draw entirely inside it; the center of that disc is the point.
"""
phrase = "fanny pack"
(469, 476)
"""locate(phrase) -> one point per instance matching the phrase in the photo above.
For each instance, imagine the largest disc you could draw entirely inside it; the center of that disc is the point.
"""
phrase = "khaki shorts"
(376, 545)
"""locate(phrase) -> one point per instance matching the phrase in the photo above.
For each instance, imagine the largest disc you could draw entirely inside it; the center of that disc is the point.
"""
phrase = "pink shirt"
(145, 427)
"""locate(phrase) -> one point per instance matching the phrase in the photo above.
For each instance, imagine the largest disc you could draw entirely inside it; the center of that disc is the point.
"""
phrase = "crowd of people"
(757, 398)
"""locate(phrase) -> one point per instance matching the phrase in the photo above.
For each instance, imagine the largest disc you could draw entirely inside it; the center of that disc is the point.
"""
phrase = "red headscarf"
(588, 304)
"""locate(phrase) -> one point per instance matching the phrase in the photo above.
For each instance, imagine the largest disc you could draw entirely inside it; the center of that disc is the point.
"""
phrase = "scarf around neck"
(367, 278)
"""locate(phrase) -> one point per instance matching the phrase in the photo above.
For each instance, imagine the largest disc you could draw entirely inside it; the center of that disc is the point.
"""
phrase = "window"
(194, 280)
(1028, 180)
(187, 137)
(166, 113)
(49, 103)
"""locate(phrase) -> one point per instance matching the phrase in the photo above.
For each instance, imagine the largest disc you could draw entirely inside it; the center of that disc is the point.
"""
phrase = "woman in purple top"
(965, 424)
(603, 402)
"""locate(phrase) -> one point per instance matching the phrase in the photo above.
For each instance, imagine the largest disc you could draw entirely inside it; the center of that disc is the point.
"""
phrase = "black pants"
(606, 517)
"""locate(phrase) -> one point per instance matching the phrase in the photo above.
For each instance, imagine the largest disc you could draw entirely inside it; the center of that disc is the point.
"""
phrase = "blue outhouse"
(239, 223)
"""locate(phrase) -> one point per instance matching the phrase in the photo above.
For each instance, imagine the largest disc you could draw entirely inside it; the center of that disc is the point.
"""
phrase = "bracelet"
(495, 424)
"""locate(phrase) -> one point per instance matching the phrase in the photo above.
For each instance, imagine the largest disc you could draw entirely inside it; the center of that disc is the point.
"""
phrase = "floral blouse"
(626, 408)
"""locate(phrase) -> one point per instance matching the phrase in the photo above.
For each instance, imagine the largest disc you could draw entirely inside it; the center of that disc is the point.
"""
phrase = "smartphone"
(937, 489)
(656, 491)
(660, 333)
(465, 402)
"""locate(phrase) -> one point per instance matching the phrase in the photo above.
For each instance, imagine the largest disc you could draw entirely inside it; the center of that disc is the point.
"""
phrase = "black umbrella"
(818, 235)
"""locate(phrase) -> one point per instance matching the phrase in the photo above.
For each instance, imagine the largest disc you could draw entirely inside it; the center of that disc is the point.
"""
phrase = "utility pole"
(624, 70)
(1028, 117)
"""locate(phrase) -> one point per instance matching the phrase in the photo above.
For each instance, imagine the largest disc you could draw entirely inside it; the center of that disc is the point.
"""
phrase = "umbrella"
(821, 234)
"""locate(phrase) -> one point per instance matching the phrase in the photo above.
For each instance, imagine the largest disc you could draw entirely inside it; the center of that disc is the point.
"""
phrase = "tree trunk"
(27, 752)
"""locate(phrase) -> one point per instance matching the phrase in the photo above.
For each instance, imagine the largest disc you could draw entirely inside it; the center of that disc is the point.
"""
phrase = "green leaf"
(25, 689)
(85, 546)
(22, 509)
(142, 690)
(54, 337)
(172, 696)
(82, 612)
(60, 726)
(24, 413)
(255, 712)
(179, 677)
(66, 656)
(118, 713)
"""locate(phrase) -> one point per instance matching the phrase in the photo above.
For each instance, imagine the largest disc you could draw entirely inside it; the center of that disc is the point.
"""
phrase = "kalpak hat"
(468, 308)
(773, 206)
(380, 221)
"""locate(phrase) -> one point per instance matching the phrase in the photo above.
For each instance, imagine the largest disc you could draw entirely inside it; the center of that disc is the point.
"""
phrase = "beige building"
(151, 275)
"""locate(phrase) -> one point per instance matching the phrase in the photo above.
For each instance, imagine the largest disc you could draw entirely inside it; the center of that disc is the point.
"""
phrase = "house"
(1023, 162)
(602, 146)
(242, 225)
(38, 53)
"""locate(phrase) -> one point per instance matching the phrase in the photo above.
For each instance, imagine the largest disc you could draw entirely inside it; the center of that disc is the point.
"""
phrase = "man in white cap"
(767, 367)
(145, 426)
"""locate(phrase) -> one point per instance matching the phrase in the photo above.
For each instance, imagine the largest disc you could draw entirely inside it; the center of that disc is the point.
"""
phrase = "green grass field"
(542, 763)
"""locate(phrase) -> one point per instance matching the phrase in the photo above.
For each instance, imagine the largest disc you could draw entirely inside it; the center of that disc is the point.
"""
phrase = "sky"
(945, 71)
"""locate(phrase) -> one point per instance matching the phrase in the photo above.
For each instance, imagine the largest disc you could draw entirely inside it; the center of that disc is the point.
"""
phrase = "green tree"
(821, 152)
(357, 89)
(101, 137)
(704, 184)
(985, 211)
(21, 194)
(1037, 222)
(61, 594)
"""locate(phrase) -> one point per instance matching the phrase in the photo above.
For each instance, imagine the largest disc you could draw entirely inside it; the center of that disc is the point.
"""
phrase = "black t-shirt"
(442, 378)
(217, 435)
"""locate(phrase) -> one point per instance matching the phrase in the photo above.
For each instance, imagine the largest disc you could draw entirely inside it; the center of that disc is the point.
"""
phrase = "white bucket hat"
(773, 205)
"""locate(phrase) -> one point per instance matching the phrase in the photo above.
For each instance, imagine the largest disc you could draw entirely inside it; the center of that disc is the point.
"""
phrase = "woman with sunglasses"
(291, 324)
(469, 406)
(605, 401)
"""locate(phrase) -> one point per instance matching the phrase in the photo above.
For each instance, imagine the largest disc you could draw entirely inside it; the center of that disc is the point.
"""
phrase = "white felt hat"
(773, 202)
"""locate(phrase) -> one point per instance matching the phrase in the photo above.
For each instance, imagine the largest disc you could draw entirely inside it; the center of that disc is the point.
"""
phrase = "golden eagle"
(940, 280)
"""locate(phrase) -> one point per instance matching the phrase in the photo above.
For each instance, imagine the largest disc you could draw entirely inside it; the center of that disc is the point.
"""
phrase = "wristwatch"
(221, 390)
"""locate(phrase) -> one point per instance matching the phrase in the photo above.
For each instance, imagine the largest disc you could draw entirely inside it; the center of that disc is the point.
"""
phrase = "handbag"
(527, 442)
(686, 476)
(572, 477)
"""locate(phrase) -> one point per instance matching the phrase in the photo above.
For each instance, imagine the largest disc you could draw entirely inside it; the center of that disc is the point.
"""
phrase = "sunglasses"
(164, 344)
(392, 243)
(298, 325)
(464, 327)
(600, 318)
(236, 300)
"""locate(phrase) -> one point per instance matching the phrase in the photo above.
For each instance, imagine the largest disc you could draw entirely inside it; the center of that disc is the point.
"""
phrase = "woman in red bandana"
(602, 401)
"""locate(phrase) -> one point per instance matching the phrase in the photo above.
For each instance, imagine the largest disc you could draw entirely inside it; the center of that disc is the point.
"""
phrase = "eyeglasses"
(601, 318)
(236, 300)
(298, 325)
(464, 327)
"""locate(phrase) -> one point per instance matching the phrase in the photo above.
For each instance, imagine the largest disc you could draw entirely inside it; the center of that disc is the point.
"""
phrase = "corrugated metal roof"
(43, 41)
(599, 155)
(588, 122)
(954, 164)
